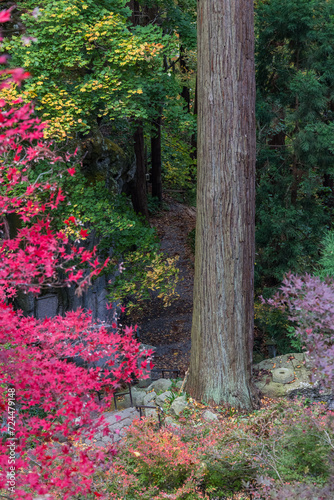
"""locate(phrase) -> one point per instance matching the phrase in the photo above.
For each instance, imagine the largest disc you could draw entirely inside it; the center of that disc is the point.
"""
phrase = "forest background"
(117, 82)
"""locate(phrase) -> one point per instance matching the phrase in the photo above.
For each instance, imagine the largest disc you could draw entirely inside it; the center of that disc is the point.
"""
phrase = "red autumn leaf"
(71, 171)
(84, 233)
(4, 16)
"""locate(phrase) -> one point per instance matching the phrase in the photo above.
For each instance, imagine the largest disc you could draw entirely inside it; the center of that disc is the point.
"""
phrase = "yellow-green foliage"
(85, 61)
(147, 275)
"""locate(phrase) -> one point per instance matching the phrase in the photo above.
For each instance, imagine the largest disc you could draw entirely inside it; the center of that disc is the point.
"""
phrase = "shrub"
(284, 443)
(326, 263)
(153, 465)
(309, 302)
(275, 327)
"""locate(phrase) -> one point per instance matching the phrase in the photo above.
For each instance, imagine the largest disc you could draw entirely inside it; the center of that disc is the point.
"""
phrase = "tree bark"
(139, 194)
(193, 154)
(185, 89)
(222, 330)
(156, 158)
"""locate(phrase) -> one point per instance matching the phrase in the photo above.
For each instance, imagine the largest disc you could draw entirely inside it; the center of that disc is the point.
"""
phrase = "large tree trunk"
(156, 158)
(138, 192)
(222, 331)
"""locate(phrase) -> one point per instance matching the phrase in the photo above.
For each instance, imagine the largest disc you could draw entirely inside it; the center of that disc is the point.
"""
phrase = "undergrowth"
(286, 447)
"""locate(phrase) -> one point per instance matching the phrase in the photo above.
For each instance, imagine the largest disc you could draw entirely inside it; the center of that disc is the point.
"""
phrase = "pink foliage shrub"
(155, 465)
(309, 302)
(55, 401)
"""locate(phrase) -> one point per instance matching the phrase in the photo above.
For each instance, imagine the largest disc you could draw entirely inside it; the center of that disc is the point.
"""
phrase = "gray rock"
(178, 405)
(209, 416)
(105, 159)
(144, 383)
(295, 381)
(151, 413)
(283, 375)
(147, 347)
(138, 396)
(26, 302)
(169, 421)
(124, 403)
(46, 306)
(161, 399)
(291, 360)
(161, 385)
(179, 384)
(149, 398)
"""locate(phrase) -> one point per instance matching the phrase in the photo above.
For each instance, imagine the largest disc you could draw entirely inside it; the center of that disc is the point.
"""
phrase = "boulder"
(209, 416)
(170, 422)
(178, 405)
(138, 396)
(149, 398)
(289, 376)
(151, 413)
(179, 384)
(161, 385)
(105, 160)
(162, 398)
(137, 399)
(144, 383)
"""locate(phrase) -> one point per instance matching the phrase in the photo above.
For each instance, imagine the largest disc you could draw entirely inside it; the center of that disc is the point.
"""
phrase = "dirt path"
(169, 328)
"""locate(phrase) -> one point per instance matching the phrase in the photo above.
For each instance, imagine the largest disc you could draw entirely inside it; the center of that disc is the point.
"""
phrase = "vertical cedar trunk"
(138, 194)
(222, 330)
(156, 158)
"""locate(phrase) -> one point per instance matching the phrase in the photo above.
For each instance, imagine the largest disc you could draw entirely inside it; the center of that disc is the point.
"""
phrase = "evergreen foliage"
(295, 79)
(326, 262)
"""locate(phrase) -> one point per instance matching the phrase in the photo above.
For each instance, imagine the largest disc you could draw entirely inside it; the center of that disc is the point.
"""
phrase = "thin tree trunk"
(139, 194)
(135, 11)
(156, 158)
(277, 140)
(194, 136)
(222, 330)
(185, 90)
(328, 183)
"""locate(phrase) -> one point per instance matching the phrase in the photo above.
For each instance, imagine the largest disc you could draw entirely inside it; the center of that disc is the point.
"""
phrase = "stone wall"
(59, 301)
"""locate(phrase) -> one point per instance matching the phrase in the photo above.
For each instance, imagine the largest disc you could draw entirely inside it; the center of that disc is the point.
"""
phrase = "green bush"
(276, 328)
(326, 262)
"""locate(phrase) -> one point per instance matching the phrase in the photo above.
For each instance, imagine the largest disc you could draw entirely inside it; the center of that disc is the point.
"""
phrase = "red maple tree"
(55, 400)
